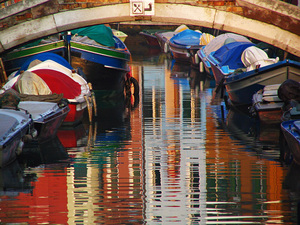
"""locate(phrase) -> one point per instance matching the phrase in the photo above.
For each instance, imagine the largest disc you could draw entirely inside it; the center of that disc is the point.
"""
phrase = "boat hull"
(14, 60)
(104, 68)
(75, 115)
(241, 87)
(163, 39)
(47, 117)
(47, 128)
(150, 38)
(187, 54)
(292, 138)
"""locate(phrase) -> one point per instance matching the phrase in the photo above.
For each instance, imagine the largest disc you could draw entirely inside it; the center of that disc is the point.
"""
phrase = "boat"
(15, 126)
(184, 45)
(102, 57)
(15, 58)
(47, 78)
(120, 34)
(241, 85)
(270, 108)
(149, 35)
(214, 45)
(267, 106)
(227, 59)
(47, 117)
(163, 38)
(291, 133)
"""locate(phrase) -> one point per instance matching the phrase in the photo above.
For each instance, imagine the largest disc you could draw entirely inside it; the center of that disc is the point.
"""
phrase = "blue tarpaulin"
(230, 54)
(43, 57)
(187, 37)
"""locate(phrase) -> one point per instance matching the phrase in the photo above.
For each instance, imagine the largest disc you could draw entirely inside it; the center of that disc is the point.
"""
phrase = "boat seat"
(272, 87)
(270, 93)
(271, 96)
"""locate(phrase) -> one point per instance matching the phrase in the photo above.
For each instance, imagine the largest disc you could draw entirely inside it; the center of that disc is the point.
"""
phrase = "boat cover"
(254, 57)
(38, 109)
(219, 41)
(31, 84)
(206, 38)
(99, 33)
(48, 79)
(60, 68)
(60, 83)
(187, 37)
(230, 54)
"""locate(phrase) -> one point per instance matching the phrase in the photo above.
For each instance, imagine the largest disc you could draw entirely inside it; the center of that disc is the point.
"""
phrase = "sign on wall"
(141, 7)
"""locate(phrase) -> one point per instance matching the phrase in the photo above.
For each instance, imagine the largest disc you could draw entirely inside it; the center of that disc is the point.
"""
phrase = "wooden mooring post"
(3, 76)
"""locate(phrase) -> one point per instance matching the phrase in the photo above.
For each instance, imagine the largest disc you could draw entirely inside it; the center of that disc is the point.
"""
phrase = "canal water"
(177, 156)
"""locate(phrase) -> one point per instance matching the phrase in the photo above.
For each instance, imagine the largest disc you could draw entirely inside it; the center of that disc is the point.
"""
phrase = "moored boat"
(268, 106)
(227, 59)
(214, 45)
(15, 125)
(14, 59)
(291, 134)
(184, 45)
(149, 35)
(47, 117)
(102, 56)
(120, 34)
(49, 77)
(242, 85)
(163, 38)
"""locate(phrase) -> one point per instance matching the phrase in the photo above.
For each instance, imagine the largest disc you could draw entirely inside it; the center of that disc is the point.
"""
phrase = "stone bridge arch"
(271, 21)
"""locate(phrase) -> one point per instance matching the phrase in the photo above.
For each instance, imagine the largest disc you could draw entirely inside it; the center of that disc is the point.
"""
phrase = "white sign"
(141, 7)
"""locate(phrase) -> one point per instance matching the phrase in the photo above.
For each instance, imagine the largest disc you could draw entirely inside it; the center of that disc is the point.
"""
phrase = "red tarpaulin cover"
(59, 83)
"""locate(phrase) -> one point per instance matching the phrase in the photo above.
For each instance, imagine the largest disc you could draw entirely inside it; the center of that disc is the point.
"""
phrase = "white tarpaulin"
(254, 57)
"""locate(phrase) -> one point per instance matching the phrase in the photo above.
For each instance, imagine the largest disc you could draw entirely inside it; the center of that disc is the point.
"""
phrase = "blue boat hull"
(291, 133)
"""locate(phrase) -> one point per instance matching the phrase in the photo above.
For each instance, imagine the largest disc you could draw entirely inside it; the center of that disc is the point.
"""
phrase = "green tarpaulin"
(99, 33)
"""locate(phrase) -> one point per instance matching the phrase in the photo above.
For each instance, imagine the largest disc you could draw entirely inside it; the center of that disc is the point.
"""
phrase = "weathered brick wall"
(240, 7)
(54, 6)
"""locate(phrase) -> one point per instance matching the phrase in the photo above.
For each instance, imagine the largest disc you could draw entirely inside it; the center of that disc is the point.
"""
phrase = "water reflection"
(179, 157)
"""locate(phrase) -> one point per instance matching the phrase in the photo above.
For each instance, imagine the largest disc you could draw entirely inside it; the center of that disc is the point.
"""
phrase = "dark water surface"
(178, 157)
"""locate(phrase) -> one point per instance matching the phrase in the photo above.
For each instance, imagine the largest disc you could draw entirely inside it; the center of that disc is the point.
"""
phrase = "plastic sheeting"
(254, 57)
